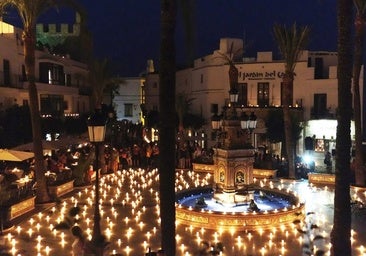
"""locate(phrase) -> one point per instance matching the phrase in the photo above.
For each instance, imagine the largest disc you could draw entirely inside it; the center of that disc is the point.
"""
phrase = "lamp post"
(248, 122)
(252, 122)
(233, 95)
(96, 129)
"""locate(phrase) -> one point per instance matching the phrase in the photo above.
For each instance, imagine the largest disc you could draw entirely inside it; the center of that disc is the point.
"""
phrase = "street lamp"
(252, 122)
(96, 129)
(248, 122)
(215, 121)
(233, 95)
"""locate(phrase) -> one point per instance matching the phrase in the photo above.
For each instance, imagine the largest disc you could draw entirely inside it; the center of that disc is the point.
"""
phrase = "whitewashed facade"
(314, 91)
(61, 82)
(127, 102)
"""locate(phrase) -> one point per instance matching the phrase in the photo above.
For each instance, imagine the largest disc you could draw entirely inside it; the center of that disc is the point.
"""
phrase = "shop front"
(322, 149)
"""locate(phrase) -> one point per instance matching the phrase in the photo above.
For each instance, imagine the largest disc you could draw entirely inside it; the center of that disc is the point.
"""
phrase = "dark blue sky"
(128, 31)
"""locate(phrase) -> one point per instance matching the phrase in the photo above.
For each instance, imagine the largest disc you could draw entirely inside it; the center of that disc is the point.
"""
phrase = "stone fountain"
(233, 172)
(233, 190)
(227, 202)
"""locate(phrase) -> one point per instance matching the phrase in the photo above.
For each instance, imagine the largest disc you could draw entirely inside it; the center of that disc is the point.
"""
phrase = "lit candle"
(47, 250)
(128, 250)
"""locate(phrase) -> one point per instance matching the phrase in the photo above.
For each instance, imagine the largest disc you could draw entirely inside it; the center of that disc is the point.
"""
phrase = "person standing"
(328, 161)
(78, 246)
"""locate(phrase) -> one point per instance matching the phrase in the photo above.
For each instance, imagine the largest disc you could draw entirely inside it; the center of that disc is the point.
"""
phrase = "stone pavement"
(130, 221)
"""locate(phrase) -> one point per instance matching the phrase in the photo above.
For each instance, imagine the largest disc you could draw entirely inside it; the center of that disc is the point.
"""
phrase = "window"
(68, 80)
(201, 78)
(214, 108)
(46, 28)
(24, 75)
(243, 94)
(320, 105)
(66, 105)
(70, 28)
(6, 67)
(52, 104)
(58, 27)
(51, 73)
(318, 71)
(263, 94)
(128, 110)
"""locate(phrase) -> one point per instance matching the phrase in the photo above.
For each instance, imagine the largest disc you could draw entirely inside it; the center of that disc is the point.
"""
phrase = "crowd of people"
(146, 155)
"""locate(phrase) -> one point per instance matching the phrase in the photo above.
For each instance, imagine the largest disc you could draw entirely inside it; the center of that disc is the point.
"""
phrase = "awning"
(15, 155)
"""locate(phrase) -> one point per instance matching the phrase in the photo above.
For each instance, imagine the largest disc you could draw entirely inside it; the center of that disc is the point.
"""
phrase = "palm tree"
(357, 63)
(233, 71)
(100, 79)
(29, 11)
(167, 118)
(102, 82)
(167, 125)
(291, 42)
(341, 232)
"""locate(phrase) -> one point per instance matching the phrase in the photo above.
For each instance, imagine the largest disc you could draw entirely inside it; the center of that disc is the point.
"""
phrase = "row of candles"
(130, 220)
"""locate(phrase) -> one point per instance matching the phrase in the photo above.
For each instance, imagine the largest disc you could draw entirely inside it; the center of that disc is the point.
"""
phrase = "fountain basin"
(276, 208)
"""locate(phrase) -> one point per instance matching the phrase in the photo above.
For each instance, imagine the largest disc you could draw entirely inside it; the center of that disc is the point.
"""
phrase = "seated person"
(253, 206)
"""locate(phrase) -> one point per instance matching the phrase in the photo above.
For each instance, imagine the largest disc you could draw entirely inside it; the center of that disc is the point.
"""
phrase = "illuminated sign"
(265, 75)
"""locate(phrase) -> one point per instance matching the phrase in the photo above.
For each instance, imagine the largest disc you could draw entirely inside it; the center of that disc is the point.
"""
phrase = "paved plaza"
(130, 221)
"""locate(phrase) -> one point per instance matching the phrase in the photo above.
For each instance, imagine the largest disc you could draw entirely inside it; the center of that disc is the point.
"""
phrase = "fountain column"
(233, 172)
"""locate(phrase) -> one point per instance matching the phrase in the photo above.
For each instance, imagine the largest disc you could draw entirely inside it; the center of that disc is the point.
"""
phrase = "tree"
(341, 232)
(291, 42)
(182, 105)
(357, 64)
(15, 125)
(167, 119)
(193, 121)
(29, 11)
(187, 8)
(101, 81)
(99, 78)
(274, 124)
(167, 125)
(233, 72)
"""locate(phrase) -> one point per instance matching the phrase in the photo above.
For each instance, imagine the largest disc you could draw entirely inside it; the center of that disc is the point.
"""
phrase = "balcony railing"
(322, 114)
(18, 81)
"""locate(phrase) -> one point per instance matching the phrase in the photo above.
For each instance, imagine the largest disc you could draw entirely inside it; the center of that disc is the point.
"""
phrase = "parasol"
(54, 144)
(15, 155)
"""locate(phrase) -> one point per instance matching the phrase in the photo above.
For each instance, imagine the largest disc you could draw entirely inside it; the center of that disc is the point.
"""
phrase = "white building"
(61, 81)
(127, 102)
(260, 79)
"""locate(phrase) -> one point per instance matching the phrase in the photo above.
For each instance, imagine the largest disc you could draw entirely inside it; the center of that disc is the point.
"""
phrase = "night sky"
(127, 32)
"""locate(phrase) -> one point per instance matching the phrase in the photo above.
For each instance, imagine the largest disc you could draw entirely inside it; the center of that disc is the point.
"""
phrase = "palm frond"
(291, 42)
(360, 6)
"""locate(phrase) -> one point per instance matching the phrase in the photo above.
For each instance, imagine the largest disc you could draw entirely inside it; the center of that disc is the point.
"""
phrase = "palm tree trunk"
(357, 63)
(29, 55)
(341, 232)
(287, 95)
(167, 126)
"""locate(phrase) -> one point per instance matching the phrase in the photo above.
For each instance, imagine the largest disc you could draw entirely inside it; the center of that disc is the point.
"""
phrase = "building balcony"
(322, 114)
